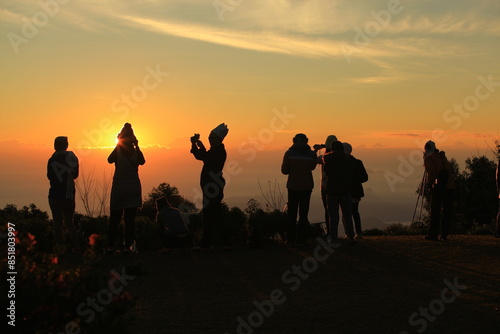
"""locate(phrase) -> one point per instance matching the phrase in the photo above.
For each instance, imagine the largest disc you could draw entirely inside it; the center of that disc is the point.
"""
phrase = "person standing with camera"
(441, 181)
(328, 148)
(126, 192)
(212, 184)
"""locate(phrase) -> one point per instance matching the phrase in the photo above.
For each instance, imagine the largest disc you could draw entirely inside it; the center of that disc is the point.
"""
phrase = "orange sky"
(268, 69)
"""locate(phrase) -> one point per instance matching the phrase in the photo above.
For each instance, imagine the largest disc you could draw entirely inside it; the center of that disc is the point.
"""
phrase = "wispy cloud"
(262, 41)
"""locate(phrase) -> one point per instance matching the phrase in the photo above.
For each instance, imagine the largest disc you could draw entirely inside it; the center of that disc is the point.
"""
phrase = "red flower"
(93, 239)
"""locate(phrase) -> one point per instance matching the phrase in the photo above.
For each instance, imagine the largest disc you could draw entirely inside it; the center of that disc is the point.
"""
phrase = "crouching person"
(174, 232)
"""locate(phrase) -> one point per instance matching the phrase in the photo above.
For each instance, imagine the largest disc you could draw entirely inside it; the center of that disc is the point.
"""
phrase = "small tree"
(173, 196)
(478, 193)
(94, 194)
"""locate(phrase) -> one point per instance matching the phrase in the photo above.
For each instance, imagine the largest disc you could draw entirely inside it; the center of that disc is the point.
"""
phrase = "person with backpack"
(298, 163)
(62, 170)
(359, 176)
(441, 181)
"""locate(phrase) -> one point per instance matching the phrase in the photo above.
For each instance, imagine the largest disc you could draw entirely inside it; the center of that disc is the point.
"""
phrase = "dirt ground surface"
(379, 285)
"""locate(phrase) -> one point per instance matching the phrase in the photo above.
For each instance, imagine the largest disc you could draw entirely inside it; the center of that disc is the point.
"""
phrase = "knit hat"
(60, 143)
(329, 140)
(337, 146)
(221, 131)
(347, 148)
(300, 138)
(127, 132)
(430, 147)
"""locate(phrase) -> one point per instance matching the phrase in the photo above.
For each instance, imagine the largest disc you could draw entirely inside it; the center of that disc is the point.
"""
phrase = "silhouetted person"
(442, 183)
(328, 148)
(298, 163)
(212, 184)
(359, 176)
(173, 229)
(497, 232)
(338, 169)
(126, 192)
(62, 170)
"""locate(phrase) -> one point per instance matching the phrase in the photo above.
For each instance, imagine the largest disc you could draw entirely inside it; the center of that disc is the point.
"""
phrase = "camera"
(318, 146)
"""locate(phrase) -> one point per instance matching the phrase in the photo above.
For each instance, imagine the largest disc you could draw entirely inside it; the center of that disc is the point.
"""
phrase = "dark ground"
(372, 287)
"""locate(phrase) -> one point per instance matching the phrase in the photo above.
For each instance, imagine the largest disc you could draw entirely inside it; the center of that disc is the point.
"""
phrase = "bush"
(373, 232)
(49, 291)
(147, 234)
(398, 229)
(481, 230)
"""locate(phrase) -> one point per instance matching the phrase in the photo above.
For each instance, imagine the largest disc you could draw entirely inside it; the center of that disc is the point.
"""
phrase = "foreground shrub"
(52, 292)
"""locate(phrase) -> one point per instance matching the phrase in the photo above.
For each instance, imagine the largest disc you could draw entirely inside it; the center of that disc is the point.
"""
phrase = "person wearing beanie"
(338, 170)
(328, 148)
(441, 181)
(212, 185)
(126, 192)
(359, 176)
(298, 163)
(62, 170)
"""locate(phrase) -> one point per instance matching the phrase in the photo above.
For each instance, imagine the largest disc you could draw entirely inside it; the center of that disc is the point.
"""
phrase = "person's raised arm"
(197, 148)
(140, 156)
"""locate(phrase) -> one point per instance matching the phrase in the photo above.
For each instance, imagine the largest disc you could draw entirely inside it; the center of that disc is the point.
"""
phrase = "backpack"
(362, 174)
(442, 176)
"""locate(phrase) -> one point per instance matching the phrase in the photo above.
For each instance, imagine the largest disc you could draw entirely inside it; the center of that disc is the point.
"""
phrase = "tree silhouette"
(475, 195)
(478, 198)
(173, 196)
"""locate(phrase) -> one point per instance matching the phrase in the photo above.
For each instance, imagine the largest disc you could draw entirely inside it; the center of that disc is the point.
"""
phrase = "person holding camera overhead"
(328, 148)
(212, 185)
(126, 194)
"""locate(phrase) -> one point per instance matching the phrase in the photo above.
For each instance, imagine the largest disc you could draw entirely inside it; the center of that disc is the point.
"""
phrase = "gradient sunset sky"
(378, 74)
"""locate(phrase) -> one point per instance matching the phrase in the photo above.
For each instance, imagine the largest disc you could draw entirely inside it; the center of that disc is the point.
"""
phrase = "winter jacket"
(339, 171)
(126, 190)
(298, 163)
(213, 163)
(62, 170)
(434, 164)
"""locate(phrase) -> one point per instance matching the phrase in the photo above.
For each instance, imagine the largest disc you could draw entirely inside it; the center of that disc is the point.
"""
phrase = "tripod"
(420, 198)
